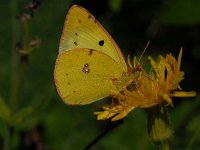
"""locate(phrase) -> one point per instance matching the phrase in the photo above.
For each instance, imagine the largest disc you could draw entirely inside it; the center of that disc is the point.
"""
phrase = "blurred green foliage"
(39, 111)
(181, 12)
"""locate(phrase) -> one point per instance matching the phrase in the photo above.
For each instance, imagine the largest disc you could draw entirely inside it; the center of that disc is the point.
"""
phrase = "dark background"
(168, 24)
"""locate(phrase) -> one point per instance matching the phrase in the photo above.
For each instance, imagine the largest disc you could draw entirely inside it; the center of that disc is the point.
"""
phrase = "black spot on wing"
(101, 42)
(75, 43)
(66, 74)
(76, 34)
(79, 21)
(89, 16)
(68, 83)
(90, 52)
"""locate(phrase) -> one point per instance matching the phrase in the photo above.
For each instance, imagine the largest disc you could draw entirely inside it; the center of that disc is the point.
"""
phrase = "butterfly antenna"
(147, 45)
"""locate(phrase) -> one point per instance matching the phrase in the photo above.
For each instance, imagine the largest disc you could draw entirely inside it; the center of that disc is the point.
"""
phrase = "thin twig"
(111, 126)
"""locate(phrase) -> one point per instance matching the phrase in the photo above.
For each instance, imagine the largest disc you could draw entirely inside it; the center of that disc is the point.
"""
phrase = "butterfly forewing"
(82, 30)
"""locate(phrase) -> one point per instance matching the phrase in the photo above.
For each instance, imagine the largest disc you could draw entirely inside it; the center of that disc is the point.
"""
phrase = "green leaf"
(194, 129)
(21, 115)
(194, 124)
(5, 111)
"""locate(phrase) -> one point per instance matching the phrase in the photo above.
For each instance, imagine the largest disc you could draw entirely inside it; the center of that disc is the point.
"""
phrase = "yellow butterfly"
(90, 65)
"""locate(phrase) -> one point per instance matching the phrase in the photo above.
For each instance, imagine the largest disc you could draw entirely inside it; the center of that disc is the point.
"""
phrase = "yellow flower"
(148, 89)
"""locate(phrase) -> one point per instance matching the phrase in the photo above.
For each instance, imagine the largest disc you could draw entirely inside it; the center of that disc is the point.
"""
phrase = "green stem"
(14, 56)
(159, 128)
(19, 65)
(20, 74)
(164, 145)
(7, 141)
(193, 139)
(14, 28)
(26, 36)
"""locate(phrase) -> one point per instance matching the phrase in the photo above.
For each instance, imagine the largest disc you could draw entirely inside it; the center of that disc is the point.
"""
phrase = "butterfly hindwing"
(83, 76)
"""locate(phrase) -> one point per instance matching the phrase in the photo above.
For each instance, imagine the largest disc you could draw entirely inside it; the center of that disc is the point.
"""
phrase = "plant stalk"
(8, 135)
(159, 129)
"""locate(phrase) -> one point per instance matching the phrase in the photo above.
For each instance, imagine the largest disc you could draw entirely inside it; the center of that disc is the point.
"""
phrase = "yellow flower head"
(148, 89)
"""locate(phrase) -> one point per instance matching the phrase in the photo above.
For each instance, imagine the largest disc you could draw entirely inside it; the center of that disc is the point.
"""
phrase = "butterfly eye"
(132, 87)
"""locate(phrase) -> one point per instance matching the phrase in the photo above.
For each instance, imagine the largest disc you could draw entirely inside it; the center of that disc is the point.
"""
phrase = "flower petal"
(183, 94)
(104, 115)
(179, 58)
(122, 114)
